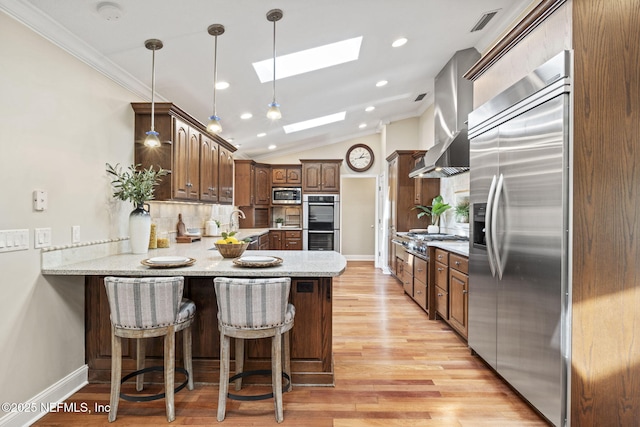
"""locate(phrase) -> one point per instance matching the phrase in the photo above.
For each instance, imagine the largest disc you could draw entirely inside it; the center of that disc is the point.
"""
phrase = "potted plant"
(137, 186)
(279, 222)
(437, 208)
(462, 211)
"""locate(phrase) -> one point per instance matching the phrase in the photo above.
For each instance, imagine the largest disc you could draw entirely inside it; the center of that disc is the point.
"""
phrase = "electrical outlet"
(75, 234)
(42, 237)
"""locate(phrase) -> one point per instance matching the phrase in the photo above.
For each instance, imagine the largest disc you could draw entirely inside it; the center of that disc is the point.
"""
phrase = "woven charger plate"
(242, 263)
(187, 262)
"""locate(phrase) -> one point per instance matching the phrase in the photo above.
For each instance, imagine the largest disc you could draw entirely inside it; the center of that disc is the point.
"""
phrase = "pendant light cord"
(153, 86)
(274, 61)
(215, 73)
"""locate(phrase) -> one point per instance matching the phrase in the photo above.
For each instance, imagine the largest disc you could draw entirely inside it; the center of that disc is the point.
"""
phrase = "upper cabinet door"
(331, 177)
(208, 169)
(180, 172)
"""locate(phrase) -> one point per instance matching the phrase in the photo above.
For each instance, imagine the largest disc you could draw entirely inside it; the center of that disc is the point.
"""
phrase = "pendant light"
(274, 113)
(214, 125)
(152, 139)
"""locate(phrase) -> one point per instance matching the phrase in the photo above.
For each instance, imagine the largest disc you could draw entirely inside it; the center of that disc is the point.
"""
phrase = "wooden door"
(226, 176)
(275, 240)
(458, 307)
(330, 177)
(208, 169)
(294, 176)
(279, 176)
(262, 185)
(312, 177)
(193, 165)
(180, 171)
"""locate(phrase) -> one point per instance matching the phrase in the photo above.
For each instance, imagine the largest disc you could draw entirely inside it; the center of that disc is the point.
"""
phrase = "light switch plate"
(75, 234)
(40, 200)
(14, 240)
(42, 237)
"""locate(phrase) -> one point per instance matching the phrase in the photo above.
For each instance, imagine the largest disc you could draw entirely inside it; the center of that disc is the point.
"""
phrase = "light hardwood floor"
(393, 367)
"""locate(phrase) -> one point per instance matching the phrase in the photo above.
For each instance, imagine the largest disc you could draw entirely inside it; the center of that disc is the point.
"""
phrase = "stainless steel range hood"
(453, 103)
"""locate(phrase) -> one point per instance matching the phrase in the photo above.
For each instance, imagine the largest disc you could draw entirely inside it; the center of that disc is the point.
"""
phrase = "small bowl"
(231, 250)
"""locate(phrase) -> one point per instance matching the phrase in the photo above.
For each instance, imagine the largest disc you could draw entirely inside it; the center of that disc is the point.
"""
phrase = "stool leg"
(169, 372)
(116, 370)
(224, 374)
(140, 355)
(187, 354)
(239, 360)
(287, 359)
(276, 374)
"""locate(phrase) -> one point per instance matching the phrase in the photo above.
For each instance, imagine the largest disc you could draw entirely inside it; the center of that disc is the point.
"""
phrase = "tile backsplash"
(453, 190)
(194, 215)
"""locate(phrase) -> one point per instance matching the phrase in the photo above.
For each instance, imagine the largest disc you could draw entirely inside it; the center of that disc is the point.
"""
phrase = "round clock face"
(360, 157)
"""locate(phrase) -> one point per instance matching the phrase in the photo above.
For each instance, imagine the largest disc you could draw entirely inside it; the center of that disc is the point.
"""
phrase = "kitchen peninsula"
(311, 293)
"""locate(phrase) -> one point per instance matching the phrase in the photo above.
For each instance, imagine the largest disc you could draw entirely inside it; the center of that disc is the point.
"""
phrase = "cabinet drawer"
(420, 293)
(293, 234)
(442, 256)
(459, 263)
(420, 269)
(442, 276)
(442, 303)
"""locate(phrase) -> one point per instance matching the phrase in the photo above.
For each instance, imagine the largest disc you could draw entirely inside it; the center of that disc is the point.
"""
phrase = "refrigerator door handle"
(494, 223)
(488, 226)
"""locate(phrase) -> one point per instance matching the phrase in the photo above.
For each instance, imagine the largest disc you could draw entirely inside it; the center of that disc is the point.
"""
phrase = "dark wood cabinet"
(226, 175)
(209, 167)
(458, 293)
(284, 175)
(441, 282)
(253, 192)
(253, 183)
(420, 293)
(321, 176)
(401, 196)
(289, 240)
(186, 150)
(311, 343)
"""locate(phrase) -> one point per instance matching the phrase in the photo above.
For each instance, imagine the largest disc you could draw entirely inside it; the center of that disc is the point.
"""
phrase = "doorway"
(359, 215)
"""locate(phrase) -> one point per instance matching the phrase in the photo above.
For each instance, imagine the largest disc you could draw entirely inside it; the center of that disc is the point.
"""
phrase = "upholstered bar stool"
(249, 309)
(144, 308)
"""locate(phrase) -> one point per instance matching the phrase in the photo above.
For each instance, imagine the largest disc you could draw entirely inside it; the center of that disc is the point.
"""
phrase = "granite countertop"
(209, 262)
(460, 248)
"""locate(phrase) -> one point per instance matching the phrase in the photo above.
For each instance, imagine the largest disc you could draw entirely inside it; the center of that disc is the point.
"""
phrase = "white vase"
(139, 230)
(433, 229)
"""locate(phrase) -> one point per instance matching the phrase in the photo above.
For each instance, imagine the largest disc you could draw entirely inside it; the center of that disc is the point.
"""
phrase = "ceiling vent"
(420, 97)
(484, 20)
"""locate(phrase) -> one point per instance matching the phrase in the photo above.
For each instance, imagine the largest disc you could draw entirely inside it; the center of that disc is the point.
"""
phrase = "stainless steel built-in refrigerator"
(518, 297)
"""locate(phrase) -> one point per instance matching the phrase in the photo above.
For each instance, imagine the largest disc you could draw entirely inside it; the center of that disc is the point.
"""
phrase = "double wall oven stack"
(321, 222)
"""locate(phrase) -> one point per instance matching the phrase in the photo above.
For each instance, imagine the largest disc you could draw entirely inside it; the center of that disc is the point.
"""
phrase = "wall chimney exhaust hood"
(453, 102)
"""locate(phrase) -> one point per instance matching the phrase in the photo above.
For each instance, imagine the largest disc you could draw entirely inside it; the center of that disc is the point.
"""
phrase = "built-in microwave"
(286, 195)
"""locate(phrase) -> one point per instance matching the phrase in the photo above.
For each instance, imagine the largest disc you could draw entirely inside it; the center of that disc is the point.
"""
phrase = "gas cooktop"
(419, 235)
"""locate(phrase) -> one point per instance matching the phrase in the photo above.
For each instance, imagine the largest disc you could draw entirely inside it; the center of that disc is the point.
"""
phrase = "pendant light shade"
(152, 139)
(274, 113)
(214, 125)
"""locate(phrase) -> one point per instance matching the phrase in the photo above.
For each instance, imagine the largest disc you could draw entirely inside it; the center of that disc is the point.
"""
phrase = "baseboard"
(38, 406)
(360, 257)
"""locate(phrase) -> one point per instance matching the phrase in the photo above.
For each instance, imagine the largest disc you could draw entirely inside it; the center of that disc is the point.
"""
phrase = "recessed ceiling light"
(260, 135)
(319, 121)
(381, 83)
(362, 125)
(246, 116)
(237, 145)
(230, 139)
(399, 42)
(272, 147)
(222, 85)
(309, 60)
(370, 108)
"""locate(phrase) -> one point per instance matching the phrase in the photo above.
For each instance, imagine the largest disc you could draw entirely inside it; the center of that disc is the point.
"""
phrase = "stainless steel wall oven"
(321, 225)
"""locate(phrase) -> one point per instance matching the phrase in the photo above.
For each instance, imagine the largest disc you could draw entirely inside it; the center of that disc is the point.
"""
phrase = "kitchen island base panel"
(311, 354)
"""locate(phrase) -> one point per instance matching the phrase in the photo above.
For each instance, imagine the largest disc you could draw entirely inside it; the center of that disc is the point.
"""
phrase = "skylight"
(309, 60)
(320, 121)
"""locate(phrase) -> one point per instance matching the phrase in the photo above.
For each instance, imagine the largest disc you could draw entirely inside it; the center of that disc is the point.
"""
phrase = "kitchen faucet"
(232, 223)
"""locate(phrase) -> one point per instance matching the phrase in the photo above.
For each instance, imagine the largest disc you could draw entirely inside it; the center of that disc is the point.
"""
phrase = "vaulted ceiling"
(110, 36)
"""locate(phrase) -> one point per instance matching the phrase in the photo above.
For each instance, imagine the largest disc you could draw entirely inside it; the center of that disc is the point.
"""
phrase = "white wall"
(60, 121)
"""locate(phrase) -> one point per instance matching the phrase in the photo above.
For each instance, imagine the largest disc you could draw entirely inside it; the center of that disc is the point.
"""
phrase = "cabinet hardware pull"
(439, 294)
(457, 263)
(464, 291)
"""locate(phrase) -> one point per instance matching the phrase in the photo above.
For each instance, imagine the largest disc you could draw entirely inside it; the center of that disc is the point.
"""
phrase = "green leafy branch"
(135, 184)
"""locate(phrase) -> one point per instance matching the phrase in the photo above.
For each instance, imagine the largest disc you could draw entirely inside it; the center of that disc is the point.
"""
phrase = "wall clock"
(360, 157)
